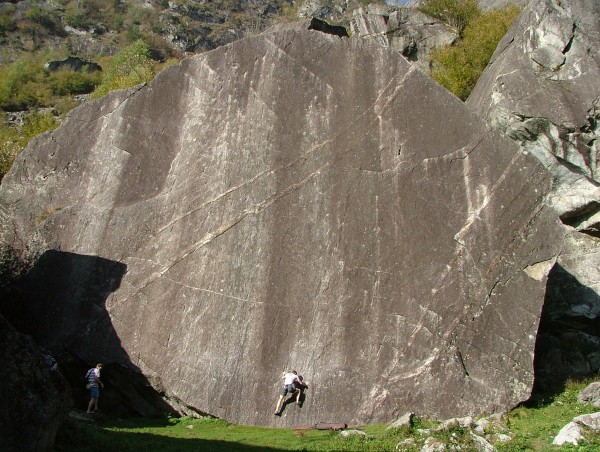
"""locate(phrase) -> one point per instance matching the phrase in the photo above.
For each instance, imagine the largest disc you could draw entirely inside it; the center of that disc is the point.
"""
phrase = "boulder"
(573, 432)
(75, 64)
(405, 420)
(293, 200)
(542, 89)
(406, 30)
(448, 424)
(591, 394)
(349, 433)
(433, 445)
(481, 444)
(35, 396)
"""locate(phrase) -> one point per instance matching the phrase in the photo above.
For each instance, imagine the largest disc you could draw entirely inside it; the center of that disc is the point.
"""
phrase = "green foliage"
(458, 67)
(65, 82)
(88, 15)
(21, 85)
(13, 140)
(130, 67)
(7, 23)
(77, 17)
(534, 425)
(26, 84)
(45, 18)
(456, 13)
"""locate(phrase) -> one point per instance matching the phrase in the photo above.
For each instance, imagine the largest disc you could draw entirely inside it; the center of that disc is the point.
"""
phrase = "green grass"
(532, 428)
(535, 426)
(204, 435)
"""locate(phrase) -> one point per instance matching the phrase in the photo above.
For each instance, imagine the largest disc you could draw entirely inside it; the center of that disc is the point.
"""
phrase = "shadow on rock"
(61, 303)
(568, 336)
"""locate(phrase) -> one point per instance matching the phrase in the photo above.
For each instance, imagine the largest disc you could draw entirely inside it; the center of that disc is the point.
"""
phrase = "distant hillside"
(91, 28)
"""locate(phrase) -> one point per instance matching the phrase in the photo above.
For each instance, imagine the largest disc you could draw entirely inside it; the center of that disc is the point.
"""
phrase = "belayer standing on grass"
(289, 378)
(94, 383)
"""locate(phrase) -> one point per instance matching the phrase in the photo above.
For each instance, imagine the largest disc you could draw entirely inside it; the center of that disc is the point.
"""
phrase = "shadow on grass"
(101, 435)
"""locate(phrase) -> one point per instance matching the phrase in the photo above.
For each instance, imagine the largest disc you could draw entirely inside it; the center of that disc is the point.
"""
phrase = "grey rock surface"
(295, 200)
(406, 30)
(329, 10)
(543, 81)
(495, 4)
(591, 394)
(574, 431)
(481, 444)
(542, 89)
(406, 420)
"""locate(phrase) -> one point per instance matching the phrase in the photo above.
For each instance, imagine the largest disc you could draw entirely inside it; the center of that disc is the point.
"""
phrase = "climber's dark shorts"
(288, 389)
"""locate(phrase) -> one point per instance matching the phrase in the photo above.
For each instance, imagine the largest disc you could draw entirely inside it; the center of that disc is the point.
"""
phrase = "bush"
(13, 140)
(78, 18)
(46, 18)
(89, 14)
(458, 67)
(130, 67)
(455, 13)
(21, 84)
(26, 84)
(66, 82)
(7, 22)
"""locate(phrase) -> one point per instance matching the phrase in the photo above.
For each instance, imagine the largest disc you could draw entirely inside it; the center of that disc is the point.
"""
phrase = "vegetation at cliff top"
(456, 13)
(532, 428)
(457, 67)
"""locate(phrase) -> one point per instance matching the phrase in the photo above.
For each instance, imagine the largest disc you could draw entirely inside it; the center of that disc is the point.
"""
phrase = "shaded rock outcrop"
(35, 396)
(71, 290)
(330, 10)
(542, 89)
(299, 200)
(72, 63)
(406, 30)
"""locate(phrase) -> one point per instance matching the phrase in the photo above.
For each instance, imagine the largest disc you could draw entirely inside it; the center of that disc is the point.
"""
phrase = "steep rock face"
(542, 89)
(298, 200)
(406, 30)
